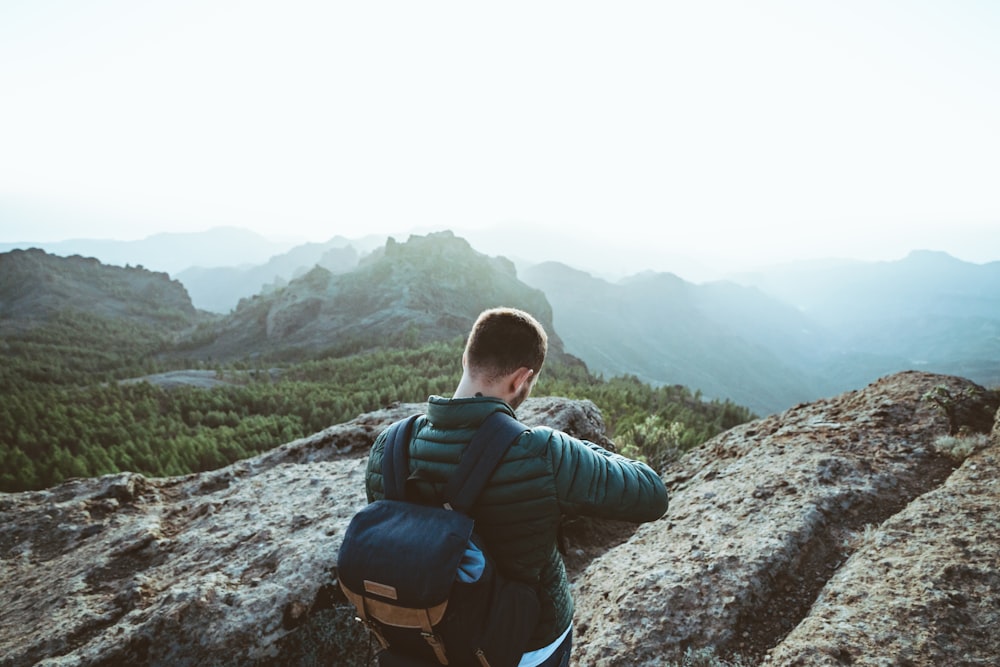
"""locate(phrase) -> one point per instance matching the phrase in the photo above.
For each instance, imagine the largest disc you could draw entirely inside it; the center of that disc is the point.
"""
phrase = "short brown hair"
(505, 339)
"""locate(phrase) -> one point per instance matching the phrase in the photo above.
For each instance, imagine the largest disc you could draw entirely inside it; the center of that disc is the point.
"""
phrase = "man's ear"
(519, 377)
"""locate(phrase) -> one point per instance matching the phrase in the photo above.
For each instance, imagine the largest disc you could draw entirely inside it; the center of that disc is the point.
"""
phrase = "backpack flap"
(402, 553)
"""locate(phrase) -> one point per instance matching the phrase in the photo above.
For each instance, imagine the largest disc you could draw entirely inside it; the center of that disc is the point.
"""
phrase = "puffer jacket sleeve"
(374, 486)
(594, 482)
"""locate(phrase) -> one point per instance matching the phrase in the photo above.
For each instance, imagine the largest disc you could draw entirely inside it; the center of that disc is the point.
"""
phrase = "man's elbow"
(661, 504)
(658, 501)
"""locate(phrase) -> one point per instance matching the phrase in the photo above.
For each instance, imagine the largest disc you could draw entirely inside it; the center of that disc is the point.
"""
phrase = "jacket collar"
(448, 413)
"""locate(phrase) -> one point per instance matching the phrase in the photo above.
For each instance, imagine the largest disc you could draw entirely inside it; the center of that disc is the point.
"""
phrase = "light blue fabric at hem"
(534, 658)
(471, 567)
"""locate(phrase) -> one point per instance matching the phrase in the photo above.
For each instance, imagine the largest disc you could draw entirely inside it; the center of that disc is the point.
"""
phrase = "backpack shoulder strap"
(488, 446)
(396, 458)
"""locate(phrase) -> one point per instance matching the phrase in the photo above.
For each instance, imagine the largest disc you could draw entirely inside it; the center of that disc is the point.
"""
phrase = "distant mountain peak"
(427, 288)
(938, 257)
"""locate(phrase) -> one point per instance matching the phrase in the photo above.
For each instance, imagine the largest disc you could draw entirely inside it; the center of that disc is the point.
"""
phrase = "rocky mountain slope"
(429, 288)
(858, 529)
(726, 340)
(787, 335)
(36, 286)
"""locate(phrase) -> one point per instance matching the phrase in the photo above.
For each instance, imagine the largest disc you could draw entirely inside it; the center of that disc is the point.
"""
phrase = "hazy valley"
(767, 340)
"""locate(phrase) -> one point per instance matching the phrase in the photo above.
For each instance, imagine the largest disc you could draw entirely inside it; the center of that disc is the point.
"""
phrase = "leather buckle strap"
(427, 632)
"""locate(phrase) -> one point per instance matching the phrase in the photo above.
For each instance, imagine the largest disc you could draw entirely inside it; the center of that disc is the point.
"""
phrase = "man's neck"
(469, 387)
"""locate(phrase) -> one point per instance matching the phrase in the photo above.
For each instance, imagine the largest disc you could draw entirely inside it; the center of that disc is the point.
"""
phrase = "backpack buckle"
(374, 629)
(436, 645)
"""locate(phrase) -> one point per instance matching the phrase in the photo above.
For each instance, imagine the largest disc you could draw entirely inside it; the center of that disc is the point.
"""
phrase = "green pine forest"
(65, 412)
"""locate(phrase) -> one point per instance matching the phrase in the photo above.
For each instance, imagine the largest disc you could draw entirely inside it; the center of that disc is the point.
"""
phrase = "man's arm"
(374, 486)
(595, 482)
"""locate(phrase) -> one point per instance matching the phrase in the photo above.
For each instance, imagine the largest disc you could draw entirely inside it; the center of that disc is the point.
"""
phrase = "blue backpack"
(419, 576)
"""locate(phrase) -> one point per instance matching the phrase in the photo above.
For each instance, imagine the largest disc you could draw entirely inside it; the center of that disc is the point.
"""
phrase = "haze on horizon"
(722, 132)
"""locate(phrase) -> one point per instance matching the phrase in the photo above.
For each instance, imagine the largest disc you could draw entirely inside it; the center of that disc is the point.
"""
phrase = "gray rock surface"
(770, 515)
(839, 532)
(206, 569)
(923, 588)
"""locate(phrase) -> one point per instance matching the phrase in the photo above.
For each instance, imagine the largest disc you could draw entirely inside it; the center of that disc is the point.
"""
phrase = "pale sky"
(716, 129)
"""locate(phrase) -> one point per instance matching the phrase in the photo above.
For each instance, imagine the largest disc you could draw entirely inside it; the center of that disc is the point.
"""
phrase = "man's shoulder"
(545, 440)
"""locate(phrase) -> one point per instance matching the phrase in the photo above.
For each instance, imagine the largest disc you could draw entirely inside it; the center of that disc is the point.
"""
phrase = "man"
(545, 474)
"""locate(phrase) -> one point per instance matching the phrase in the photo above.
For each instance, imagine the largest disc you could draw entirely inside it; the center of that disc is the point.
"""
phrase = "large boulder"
(807, 523)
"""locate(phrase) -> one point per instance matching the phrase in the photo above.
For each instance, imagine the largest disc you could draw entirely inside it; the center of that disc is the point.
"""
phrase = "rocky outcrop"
(846, 531)
(788, 539)
(213, 568)
(923, 587)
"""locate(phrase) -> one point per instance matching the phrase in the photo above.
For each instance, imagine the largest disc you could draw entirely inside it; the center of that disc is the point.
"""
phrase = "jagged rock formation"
(836, 533)
(428, 289)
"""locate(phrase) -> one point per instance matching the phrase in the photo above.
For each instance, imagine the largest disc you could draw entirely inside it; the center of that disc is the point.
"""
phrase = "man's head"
(506, 343)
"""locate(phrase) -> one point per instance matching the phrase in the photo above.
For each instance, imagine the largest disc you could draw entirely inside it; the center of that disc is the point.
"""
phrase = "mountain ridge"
(667, 331)
(746, 341)
(425, 289)
(36, 286)
(769, 341)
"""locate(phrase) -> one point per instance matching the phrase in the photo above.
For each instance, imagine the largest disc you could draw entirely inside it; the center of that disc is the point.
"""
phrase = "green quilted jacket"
(545, 475)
